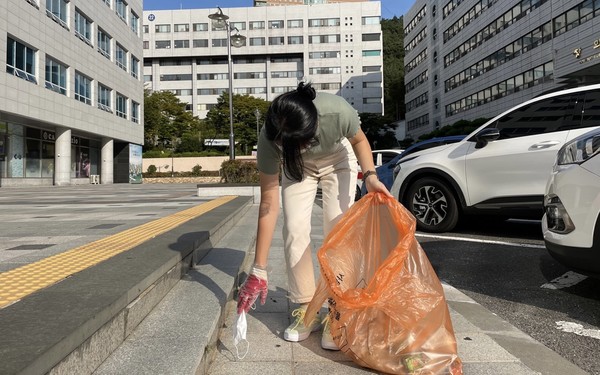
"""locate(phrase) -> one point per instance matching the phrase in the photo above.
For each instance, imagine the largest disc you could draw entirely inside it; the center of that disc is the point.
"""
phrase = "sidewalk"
(486, 344)
(166, 305)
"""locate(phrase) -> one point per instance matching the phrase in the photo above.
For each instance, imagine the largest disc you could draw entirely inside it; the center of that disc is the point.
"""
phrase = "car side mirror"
(486, 135)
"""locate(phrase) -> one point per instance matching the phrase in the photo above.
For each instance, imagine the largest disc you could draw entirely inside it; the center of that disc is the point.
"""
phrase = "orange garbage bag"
(387, 308)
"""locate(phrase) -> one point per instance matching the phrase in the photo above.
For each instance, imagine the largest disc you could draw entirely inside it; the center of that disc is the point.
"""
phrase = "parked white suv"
(572, 203)
(501, 168)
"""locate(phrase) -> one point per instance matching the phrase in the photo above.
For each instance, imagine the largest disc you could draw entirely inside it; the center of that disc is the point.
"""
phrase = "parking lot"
(505, 267)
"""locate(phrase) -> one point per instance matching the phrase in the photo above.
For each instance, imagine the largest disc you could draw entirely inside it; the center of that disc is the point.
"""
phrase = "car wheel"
(433, 205)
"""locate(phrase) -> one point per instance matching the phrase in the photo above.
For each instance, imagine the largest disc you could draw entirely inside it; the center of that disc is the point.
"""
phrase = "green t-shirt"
(337, 120)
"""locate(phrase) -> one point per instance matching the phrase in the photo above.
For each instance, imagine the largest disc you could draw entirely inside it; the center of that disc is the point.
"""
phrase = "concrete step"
(72, 327)
(180, 335)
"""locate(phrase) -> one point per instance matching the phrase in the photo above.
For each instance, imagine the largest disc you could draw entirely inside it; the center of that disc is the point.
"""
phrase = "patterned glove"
(256, 283)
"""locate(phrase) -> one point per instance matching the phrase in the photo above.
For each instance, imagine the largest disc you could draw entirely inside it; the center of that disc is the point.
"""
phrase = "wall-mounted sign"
(151, 17)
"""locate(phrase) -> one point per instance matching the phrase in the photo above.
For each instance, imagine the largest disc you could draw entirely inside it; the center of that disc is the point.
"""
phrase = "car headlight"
(579, 149)
(398, 165)
(557, 217)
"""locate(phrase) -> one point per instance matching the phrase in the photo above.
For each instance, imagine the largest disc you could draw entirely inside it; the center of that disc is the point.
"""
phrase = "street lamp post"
(257, 114)
(220, 22)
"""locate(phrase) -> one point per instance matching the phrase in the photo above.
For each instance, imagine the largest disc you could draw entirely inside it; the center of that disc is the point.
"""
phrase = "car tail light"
(557, 217)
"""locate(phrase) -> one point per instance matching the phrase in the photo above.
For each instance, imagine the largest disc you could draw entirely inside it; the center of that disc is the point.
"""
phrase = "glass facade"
(27, 152)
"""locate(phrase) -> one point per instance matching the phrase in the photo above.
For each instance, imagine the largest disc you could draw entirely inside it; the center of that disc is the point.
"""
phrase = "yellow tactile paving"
(20, 282)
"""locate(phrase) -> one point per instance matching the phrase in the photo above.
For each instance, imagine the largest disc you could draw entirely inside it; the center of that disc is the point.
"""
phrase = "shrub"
(151, 169)
(239, 171)
(196, 170)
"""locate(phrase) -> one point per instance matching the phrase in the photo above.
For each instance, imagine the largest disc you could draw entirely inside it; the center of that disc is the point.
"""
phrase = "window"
(57, 9)
(371, 53)
(175, 77)
(200, 27)
(107, 2)
(83, 27)
(275, 24)
(257, 25)
(375, 68)
(135, 67)
(121, 9)
(146, 29)
(370, 21)
(20, 60)
(318, 39)
(324, 55)
(371, 37)
(104, 43)
(181, 28)
(162, 28)
(238, 25)
(104, 98)
(257, 41)
(324, 22)
(161, 44)
(276, 40)
(135, 112)
(335, 70)
(219, 42)
(83, 88)
(146, 44)
(134, 22)
(56, 76)
(121, 57)
(295, 40)
(121, 106)
(181, 43)
(200, 43)
(374, 84)
(293, 24)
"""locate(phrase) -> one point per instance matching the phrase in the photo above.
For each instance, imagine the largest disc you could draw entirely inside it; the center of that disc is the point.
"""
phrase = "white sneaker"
(327, 339)
(297, 331)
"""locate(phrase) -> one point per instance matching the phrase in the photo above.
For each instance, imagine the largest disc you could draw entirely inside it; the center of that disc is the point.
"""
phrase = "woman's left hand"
(375, 186)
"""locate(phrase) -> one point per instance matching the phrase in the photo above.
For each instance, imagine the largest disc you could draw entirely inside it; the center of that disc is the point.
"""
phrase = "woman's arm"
(268, 211)
(363, 153)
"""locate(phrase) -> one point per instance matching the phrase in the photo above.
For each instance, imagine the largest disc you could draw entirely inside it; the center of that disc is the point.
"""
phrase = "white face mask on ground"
(239, 334)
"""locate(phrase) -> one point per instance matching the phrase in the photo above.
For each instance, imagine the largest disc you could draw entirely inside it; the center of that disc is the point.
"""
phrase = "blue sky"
(389, 8)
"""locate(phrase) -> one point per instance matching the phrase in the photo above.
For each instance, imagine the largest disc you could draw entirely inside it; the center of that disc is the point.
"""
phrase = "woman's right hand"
(256, 284)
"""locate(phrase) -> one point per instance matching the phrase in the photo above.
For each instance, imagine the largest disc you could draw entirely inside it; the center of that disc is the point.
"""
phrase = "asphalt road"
(505, 267)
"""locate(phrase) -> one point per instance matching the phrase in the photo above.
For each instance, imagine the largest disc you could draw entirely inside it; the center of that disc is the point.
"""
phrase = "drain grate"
(31, 247)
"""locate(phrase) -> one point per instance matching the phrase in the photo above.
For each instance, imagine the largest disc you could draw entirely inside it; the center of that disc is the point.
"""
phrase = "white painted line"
(467, 239)
(567, 280)
(577, 329)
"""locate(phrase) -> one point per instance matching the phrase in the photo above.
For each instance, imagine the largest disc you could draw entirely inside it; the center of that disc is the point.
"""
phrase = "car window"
(591, 109)
(545, 116)
(387, 156)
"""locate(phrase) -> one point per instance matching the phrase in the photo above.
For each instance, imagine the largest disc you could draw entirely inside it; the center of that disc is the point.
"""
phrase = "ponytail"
(292, 121)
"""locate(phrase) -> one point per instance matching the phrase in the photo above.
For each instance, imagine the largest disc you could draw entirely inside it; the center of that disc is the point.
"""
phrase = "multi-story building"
(337, 47)
(476, 58)
(259, 3)
(72, 90)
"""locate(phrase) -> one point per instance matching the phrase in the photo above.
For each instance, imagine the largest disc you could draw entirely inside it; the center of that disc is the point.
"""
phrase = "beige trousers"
(336, 174)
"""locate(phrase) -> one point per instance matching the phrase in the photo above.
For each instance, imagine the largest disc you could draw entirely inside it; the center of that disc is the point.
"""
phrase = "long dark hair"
(292, 122)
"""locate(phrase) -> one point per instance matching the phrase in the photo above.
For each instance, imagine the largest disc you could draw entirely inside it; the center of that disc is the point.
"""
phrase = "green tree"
(393, 67)
(379, 132)
(244, 119)
(166, 120)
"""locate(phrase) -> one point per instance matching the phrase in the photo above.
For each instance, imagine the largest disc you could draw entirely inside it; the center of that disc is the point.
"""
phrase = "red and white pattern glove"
(256, 284)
